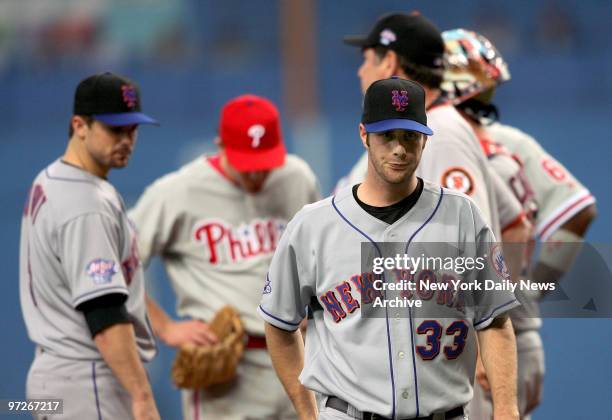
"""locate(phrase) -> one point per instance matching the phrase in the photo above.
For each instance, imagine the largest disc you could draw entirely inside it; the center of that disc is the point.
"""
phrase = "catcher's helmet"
(473, 65)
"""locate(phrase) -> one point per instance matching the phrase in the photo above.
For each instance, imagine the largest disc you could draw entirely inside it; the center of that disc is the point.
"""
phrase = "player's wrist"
(164, 331)
(506, 413)
(142, 396)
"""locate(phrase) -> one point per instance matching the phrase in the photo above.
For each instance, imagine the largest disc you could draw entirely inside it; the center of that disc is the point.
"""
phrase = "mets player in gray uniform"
(403, 363)
(216, 223)
(550, 195)
(410, 46)
(81, 283)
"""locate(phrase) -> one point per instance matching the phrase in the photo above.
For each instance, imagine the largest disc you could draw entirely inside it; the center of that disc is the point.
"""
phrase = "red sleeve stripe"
(515, 222)
(564, 215)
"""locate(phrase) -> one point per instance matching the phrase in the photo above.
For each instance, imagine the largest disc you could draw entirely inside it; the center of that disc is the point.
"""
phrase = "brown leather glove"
(198, 366)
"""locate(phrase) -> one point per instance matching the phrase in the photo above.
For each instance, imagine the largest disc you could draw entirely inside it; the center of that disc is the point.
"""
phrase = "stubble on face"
(394, 157)
(113, 146)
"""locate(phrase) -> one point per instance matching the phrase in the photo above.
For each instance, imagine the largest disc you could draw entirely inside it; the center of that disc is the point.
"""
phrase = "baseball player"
(402, 364)
(475, 69)
(81, 284)
(410, 46)
(216, 223)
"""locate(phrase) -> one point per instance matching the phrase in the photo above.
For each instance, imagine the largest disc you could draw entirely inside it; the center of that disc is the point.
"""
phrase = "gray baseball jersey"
(216, 240)
(77, 244)
(558, 194)
(401, 364)
(510, 170)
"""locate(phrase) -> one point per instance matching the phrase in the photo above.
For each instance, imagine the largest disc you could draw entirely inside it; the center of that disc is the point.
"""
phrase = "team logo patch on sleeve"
(101, 271)
(499, 263)
(267, 286)
(458, 179)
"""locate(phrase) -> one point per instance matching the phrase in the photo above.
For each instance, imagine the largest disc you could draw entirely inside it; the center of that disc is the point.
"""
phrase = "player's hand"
(178, 333)
(534, 393)
(481, 375)
(145, 410)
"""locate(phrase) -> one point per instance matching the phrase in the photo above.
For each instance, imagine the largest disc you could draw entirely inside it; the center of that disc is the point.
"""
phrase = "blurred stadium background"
(190, 56)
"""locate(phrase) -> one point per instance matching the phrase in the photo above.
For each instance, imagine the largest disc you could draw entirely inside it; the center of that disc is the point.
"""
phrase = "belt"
(256, 342)
(341, 405)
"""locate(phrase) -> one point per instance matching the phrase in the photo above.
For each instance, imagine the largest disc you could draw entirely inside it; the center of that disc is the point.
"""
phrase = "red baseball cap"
(251, 133)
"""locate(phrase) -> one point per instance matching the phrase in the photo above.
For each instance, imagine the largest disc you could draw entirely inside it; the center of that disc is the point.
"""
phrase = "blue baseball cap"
(111, 99)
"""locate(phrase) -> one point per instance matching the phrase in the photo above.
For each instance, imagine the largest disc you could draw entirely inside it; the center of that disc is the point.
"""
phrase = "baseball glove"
(198, 366)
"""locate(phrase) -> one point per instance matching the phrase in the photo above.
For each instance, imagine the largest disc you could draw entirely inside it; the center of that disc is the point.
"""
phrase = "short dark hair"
(426, 76)
(88, 120)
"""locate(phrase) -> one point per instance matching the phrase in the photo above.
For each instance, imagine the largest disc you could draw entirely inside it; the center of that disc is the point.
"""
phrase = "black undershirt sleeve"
(104, 311)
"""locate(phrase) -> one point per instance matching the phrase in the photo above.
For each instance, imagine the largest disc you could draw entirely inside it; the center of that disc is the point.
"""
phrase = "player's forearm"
(159, 319)
(556, 257)
(117, 344)
(498, 352)
(287, 353)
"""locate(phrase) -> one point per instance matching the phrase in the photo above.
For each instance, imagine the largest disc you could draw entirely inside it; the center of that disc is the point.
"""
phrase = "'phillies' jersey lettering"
(247, 241)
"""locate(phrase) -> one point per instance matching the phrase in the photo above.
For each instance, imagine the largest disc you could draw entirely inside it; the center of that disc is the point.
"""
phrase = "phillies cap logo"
(399, 99)
(129, 95)
(256, 132)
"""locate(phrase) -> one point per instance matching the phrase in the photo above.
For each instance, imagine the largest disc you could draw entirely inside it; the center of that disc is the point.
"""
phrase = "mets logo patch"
(458, 179)
(399, 99)
(129, 95)
(499, 263)
(101, 271)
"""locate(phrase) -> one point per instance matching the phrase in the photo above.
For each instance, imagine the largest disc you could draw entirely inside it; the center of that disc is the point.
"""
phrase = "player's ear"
(219, 142)
(79, 126)
(424, 141)
(363, 135)
(390, 63)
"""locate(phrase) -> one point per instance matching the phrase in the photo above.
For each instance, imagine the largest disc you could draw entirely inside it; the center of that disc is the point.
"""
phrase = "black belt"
(341, 405)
